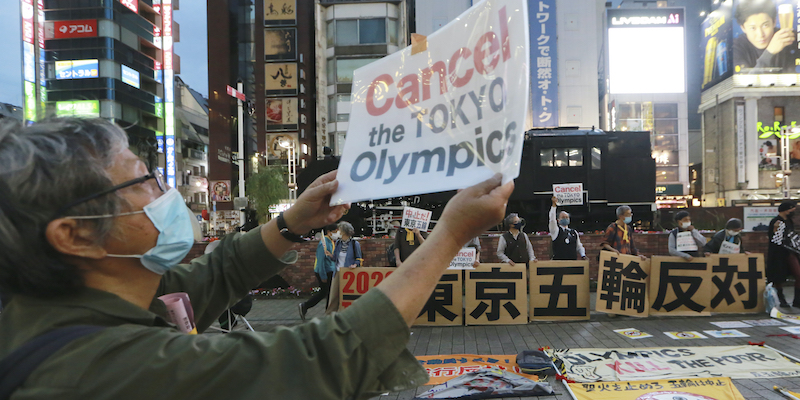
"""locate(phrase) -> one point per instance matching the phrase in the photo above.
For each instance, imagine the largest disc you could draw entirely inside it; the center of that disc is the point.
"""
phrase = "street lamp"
(288, 144)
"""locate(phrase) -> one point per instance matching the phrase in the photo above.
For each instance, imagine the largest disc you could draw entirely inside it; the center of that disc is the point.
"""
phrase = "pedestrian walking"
(324, 268)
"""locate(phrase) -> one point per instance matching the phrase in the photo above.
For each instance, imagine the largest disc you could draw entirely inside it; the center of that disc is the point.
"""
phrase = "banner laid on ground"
(622, 285)
(355, 282)
(443, 114)
(687, 389)
(496, 295)
(737, 362)
(442, 368)
(444, 307)
(559, 290)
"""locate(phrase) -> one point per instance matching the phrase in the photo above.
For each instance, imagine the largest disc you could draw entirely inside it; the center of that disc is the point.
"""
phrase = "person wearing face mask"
(730, 235)
(684, 222)
(514, 246)
(347, 253)
(324, 268)
(781, 254)
(618, 236)
(93, 236)
(566, 241)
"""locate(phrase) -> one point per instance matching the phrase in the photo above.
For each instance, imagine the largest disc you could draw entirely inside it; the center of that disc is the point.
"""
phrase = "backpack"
(390, 255)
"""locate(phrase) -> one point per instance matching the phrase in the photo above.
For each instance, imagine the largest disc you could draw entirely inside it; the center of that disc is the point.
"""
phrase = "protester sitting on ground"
(91, 236)
(730, 234)
(684, 222)
(619, 235)
(324, 268)
(514, 246)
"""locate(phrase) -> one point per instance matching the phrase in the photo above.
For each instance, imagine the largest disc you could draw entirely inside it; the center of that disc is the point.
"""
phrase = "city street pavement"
(597, 332)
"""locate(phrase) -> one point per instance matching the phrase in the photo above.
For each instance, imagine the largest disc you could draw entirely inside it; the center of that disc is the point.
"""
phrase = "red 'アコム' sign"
(75, 29)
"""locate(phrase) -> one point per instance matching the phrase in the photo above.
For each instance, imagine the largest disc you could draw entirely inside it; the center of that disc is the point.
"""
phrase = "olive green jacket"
(353, 354)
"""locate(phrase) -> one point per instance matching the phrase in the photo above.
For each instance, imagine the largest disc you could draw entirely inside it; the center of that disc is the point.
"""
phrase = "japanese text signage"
(622, 285)
(74, 29)
(444, 307)
(569, 194)
(355, 282)
(415, 218)
(279, 12)
(443, 116)
(544, 63)
(495, 295)
(80, 108)
(697, 388)
(559, 290)
(280, 79)
(442, 368)
(77, 69)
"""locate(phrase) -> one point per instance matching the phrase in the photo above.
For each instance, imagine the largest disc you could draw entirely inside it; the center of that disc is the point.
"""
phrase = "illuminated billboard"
(130, 76)
(646, 51)
(81, 108)
(74, 29)
(77, 69)
(133, 5)
(754, 40)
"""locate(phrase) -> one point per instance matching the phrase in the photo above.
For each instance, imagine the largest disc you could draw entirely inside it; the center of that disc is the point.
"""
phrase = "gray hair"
(347, 228)
(44, 167)
(510, 219)
(622, 210)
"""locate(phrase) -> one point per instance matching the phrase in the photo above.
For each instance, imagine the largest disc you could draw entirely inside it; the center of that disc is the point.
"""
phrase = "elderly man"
(514, 246)
(618, 236)
(92, 237)
(566, 241)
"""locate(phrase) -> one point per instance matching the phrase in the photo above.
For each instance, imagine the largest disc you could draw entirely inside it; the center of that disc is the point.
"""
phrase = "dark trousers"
(324, 292)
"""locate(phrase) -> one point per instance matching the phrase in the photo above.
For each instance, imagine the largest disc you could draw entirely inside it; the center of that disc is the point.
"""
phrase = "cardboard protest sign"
(559, 290)
(737, 362)
(442, 368)
(684, 241)
(415, 218)
(496, 295)
(355, 282)
(737, 283)
(464, 259)
(622, 285)
(443, 117)
(444, 307)
(569, 194)
(689, 389)
(679, 287)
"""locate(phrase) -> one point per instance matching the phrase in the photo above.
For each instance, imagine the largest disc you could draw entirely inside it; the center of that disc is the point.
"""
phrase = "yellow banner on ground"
(666, 389)
(442, 368)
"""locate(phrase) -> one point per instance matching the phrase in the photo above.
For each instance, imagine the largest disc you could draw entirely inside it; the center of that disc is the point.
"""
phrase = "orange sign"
(442, 368)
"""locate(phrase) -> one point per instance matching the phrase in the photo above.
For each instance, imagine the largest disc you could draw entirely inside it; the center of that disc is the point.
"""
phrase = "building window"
(347, 33)
(346, 67)
(371, 31)
(331, 32)
(667, 174)
(665, 142)
(597, 156)
(331, 108)
(362, 31)
(331, 72)
(561, 157)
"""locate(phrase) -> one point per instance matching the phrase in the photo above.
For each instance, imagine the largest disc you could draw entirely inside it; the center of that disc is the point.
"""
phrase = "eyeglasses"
(154, 174)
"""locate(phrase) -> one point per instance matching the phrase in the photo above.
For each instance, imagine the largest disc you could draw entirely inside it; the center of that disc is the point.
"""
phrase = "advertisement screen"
(764, 39)
(82, 108)
(646, 51)
(77, 69)
(130, 76)
(717, 46)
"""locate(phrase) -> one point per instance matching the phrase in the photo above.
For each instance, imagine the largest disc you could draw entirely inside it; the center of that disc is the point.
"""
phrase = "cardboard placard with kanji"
(445, 306)
(355, 282)
(737, 283)
(416, 218)
(622, 285)
(496, 295)
(680, 287)
(559, 290)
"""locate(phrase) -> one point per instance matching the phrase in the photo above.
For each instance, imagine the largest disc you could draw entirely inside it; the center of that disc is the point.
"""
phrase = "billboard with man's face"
(754, 37)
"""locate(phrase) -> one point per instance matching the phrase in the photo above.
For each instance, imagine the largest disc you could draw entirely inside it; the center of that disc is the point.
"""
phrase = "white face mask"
(731, 233)
(336, 235)
(685, 225)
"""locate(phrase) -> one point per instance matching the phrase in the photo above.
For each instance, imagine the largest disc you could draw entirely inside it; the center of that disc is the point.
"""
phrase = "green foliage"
(267, 187)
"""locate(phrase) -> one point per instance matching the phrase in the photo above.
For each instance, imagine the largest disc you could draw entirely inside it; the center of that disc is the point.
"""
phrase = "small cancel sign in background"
(569, 194)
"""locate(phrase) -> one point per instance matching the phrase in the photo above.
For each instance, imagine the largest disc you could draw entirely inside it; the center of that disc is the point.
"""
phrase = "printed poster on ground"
(673, 389)
(442, 368)
(444, 114)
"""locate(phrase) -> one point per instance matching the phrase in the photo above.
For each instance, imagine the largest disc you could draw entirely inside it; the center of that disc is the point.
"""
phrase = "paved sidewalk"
(597, 332)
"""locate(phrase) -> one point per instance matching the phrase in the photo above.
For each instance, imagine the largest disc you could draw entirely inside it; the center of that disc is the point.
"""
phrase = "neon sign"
(766, 131)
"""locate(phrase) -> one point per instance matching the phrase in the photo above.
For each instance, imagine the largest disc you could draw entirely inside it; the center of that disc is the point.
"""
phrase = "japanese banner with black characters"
(738, 283)
(415, 218)
(559, 290)
(622, 285)
(442, 368)
(666, 389)
(443, 114)
(496, 295)
(444, 307)
(355, 282)
(737, 362)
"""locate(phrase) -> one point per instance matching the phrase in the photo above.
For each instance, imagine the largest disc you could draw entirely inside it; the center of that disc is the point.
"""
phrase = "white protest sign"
(465, 259)
(685, 242)
(416, 218)
(728, 248)
(444, 114)
(569, 194)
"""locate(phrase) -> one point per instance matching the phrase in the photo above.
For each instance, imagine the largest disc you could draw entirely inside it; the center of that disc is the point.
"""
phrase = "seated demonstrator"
(730, 234)
(684, 221)
(67, 261)
(566, 241)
